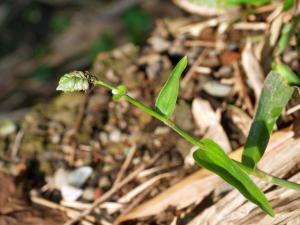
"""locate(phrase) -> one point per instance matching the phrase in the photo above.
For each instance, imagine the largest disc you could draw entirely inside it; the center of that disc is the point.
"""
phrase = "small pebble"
(224, 72)
(216, 89)
(289, 56)
(115, 135)
(159, 44)
(104, 182)
(103, 138)
(88, 194)
(79, 176)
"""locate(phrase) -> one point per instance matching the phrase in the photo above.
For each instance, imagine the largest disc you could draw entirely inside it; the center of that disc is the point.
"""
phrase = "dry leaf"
(252, 69)
(275, 30)
(209, 123)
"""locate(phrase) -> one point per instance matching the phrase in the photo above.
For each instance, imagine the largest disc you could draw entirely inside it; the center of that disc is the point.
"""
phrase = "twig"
(189, 75)
(142, 187)
(73, 132)
(52, 205)
(243, 89)
(17, 144)
(125, 165)
(134, 203)
(196, 29)
(113, 190)
(82, 111)
(250, 26)
(293, 109)
(267, 8)
(199, 43)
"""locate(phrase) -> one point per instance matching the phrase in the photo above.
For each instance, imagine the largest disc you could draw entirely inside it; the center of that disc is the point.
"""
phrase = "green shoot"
(275, 95)
(286, 34)
(288, 74)
(287, 4)
(166, 100)
(213, 158)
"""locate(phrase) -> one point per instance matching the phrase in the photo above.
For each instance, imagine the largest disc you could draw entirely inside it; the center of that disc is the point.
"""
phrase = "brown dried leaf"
(209, 123)
(203, 10)
(188, 191)
(253, 69)
(275, 29)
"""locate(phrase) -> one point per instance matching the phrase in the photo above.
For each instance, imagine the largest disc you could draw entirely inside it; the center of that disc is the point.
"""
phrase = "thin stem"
(155, 114)
(269, 178)
(253, 171)
(163, 119)
(104, 84)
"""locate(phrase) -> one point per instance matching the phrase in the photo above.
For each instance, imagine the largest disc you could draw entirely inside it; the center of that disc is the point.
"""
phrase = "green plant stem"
(269, 178)
(253, 171)
(166, 121)
(155, 114)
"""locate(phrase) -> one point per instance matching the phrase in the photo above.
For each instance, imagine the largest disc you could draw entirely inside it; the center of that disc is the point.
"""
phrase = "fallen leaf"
(209, 123)
(252, 69)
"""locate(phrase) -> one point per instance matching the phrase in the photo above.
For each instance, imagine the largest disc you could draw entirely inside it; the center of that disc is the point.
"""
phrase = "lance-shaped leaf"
(287, 4)
(166, 100)
(74, 81)
(288, 74)
(248, 2)
(287, 33)
(212, 157)
(274, 97)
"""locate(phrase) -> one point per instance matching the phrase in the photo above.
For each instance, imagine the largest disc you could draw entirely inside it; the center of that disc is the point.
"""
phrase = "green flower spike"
(74, 81)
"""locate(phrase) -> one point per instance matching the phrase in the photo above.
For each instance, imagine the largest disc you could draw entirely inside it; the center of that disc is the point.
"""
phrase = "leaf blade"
(166, 99)
(288, 74)
(287, 4)
(212, 157)
(274, 97)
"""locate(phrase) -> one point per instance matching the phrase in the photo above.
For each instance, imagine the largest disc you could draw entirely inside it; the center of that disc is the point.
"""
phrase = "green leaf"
(247, 2)
(74, 81)
(166, 100)
(298, 42)
(287, 4)
(275, 95)
(286, 34)
(119, 92)
(212, 157)
(286, 72)
(225, 3)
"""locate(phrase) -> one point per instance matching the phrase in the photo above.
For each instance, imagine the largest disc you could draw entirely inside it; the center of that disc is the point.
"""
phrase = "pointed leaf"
(287, 4)
(212, 157)
(288, 74)
(274, 97)
(287, 33)
(166, 100)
